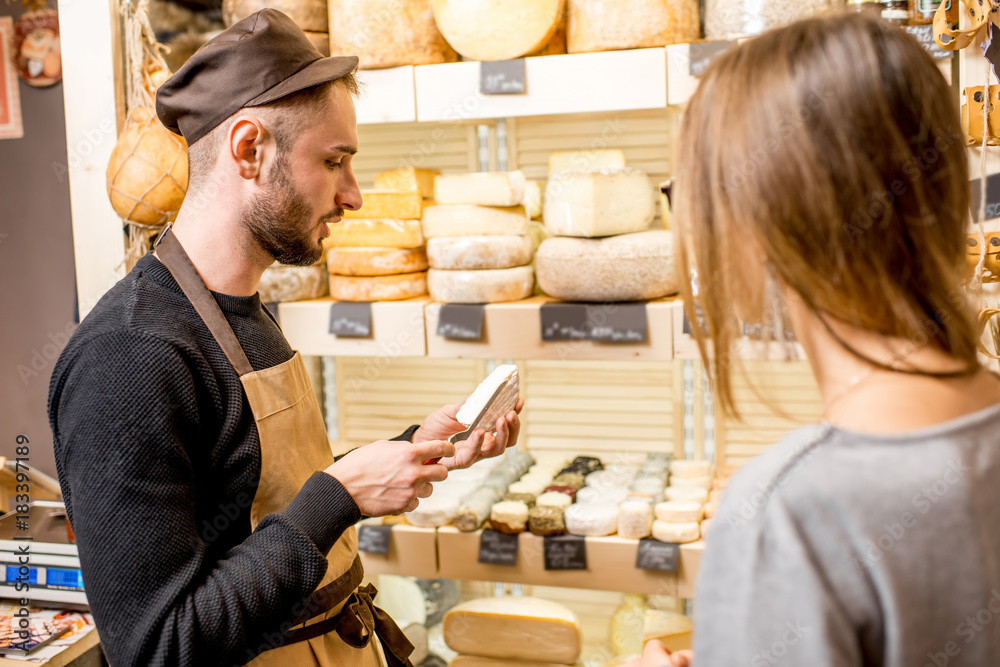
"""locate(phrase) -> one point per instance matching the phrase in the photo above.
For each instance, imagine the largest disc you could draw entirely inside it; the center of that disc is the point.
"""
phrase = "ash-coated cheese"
(470, 220)
(498, 30)
(679, 511)
(479, 252)
(378, 288)
(398, 204)
(490, 188)
(408, 178)
(593, 520)
(514, 628)
(604, 25)
(505, 378)
(630, 267)
(546, 521)
(678, 533)
(387, 33)
(635, 519)
(509, 516)
(381, 233)
(586, 160)
(598, 203)
(375, 261)
(689, 469)
(486, 286)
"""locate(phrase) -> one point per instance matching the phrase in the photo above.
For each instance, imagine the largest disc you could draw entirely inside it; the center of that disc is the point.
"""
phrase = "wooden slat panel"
(449, 147)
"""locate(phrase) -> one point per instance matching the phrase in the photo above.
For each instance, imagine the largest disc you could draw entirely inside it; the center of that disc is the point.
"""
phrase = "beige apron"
(339, 620)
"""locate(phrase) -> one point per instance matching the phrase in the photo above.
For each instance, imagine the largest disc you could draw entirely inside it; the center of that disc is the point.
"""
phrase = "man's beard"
(280, 220)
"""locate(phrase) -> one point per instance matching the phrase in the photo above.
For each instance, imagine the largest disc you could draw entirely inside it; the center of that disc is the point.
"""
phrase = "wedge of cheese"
(375, 261)
(399, 204)
(378, 288)
(597, 159)
(669, 627)
(474, 221)
(505, 376)
(533, 199)
(498, 30)
(406, 179)
(497, 188)
(479, 252)
(485, 286)
(514, 628)
(598, 203)
(383, 233)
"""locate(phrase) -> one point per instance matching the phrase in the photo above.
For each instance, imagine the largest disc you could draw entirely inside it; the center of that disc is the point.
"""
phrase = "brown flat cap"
(262, 58)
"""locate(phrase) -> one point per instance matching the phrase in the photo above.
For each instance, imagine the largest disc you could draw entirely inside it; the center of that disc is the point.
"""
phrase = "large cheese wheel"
(733, 19)
(498, 29)
(488, 188)
(678, 533)
(474, 221)
(478, 252)
(404, 205)
(309, 15)
(514, 628)
(630, 267)
(598, 203)
(375, 261)
(292, 283)
(586, 160)
(387, 33)
(408, 178)
(679, 511)
(592, 520)
(609, 25)
(487, 286)
(382, 233)
(378, 288)
(690, 469)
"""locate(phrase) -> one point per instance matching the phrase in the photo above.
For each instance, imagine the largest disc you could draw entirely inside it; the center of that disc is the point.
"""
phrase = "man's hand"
(442, 424)
(388, 477)
(655, 654)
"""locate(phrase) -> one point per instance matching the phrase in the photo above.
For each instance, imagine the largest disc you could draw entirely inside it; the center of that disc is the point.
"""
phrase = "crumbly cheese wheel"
(635, 519)
(533, 199)
(398, 204)
(688, 469)
(610, 25)
(679, 511)
(598, 203)
(292, 283)
(488, 188)
(546, 520)
(554, 499)
(375, 261)
(487, 286)
(378, 288)
(366, 233)
(474, 221)
(678, 533)
(498, 29)
(478, 252)
(669, 627)
(509, 516)
(387, 33)
(308, 14)
(692, 482)
(505, 376)
(514, 628)
(692, 493)
(630, 267)
(593, 520)
(586, 160)
(408, 178)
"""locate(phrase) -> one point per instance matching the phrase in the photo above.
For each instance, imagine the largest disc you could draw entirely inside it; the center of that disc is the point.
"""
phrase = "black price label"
(701, 55)
(605, 323)
(502, 77)
(656, 555)
(992, 197)
(351, 320)
(496, 548)
(374, 539)
(565, 552)
(463, 321)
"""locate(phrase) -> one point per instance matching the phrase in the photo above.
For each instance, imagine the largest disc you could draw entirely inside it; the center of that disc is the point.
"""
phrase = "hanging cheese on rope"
(309, 15)
(378, 288)
(485, 286)
(499, 29)
(387, 33)
(609, 25)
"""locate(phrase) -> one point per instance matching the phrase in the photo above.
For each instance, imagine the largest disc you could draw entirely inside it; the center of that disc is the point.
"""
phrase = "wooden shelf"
(387, 96)
(397, 329)
(412, 553)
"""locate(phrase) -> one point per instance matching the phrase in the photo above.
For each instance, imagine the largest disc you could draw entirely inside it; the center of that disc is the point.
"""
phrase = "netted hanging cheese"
(514, 628)
(488, 188)
(593, 520)
(474, 221)
(408, 178)
(383, 233)
(609, 25)
(486, 286)
(499, 29)
(586, 160)
(398, 204)
(308, 14)
(292, 283)
(479, 252)
(375, 261)
(678, 533)
(630, 267)
(387, 33)
(378, 288)
(598, 203)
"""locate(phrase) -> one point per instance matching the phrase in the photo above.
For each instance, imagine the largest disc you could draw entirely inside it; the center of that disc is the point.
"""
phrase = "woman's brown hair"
(829, 151)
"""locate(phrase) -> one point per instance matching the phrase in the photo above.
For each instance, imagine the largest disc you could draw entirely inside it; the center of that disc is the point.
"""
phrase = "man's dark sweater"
(159, 458)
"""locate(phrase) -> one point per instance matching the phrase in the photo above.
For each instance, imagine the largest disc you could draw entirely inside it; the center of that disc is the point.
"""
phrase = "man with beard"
(213, 524)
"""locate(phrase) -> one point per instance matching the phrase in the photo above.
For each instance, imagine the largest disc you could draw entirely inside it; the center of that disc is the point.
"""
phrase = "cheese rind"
(493, 188)
(671, 628)
(635, 519)
(505, 376)
(598, 203)
(604, 158)
(509, 516)
(367, 233)
(592, 520)
(486, 286)
(406, 179)
(678, 533)
(679, 511)
(514, 628)
(479, 252)
(398, 204)
(375, 261)
(498, 30)
(378, 288)
(292, 283)
(474, 221)
(630, 267)
(387, 33)
(600, 25)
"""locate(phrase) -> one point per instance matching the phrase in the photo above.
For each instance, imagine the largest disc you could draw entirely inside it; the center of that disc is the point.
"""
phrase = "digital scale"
(54, 573)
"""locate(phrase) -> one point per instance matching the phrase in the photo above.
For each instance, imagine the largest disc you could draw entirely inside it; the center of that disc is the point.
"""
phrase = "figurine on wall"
(38, 56)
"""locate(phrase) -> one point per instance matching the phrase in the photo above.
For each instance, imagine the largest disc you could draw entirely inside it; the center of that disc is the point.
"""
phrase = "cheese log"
(509, 516)
(487, 286)
(504, 376)
(479, 252)
(679, 511)
(533, 199)
(604, 25)
(406, 179)
(594, 520)
(498, 30)
(375, 261)
(554, 499)
(398, 204)
(597, 159)
(387, 33)
(598, 203)
(689, 469)
(292, 283)
(669, 627)
(474, 221)
(492, 188)
(476, 661)
(546, 521)
(378, 288)
(692, 493)
(678, 533)
(631, 267)
(375, 233)
(307, 14)
(475, 509)
(514, 628)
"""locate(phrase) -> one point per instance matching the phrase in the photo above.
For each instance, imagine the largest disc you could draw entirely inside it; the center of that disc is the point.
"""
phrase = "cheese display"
(607, 25)
(686, 493)
(689, 469)
(586, 160)
(547, 521)
(479, 252)
(598, 203)
(746, 18)
(679, 511)
(499, 188)
(504, 376)
(669, 627)
(553, 499)
(509, 516)
(375, 261)
(475, 509)
(498, 30)
(474, 221)
(592, 520)
(514, 628)
(692, 482)
(486, 286)
(378, 288)
(678, 533)
(433, 512)
(533, 199)
(387, 33)
(384, 233)
(629, 267)
(308, 14)
(292, 283)
(406, 179)
(635, 519)
(399, 204)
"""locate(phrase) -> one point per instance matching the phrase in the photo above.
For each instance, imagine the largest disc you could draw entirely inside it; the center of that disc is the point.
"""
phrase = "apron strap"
(172, 255)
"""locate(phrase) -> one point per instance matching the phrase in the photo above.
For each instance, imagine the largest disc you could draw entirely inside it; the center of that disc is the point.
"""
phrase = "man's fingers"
(519, 405)
(655, 654)
(424, 489)
(432, 449)
(412, 505)
(435, 472)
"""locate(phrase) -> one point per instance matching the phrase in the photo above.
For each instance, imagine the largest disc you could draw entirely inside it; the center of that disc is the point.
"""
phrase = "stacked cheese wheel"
(293, 283)
(376, 253)
(678, 519)
(722, 476)
(387, 33)
(606, 25)
(478, 246)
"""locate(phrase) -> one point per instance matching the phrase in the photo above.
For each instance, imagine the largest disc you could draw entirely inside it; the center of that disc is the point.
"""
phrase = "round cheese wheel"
(604, 25)
(434, 512)
(486, 286)
(684, 468)
(678, 533)
(593, 520)
(635, 519)
(692, 493)
(679, 511)
(554, 499)
(387, 33)
(692, 482)
(478, 252)
(378, 288)
(308, 14)
(375, 261)
(292, 283)
(497, 29)
(509, 516)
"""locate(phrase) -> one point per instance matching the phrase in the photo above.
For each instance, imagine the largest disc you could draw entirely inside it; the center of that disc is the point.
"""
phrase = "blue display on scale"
(14, 574)
(64, 578)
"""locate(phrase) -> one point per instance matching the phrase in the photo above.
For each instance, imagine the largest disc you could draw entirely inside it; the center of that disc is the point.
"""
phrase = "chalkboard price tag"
(351, 320)
(496, 548)
(992, 197)
(701, 55)
(374, 539)
(565, 552)
(462, 321)
(657, 555)
(502, 77)
(606, 323)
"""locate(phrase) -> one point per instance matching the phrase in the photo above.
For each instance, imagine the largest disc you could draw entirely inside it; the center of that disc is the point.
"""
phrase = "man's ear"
(246, 146)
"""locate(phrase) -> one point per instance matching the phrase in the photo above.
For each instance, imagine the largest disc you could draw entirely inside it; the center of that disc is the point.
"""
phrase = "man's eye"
(333, 165)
